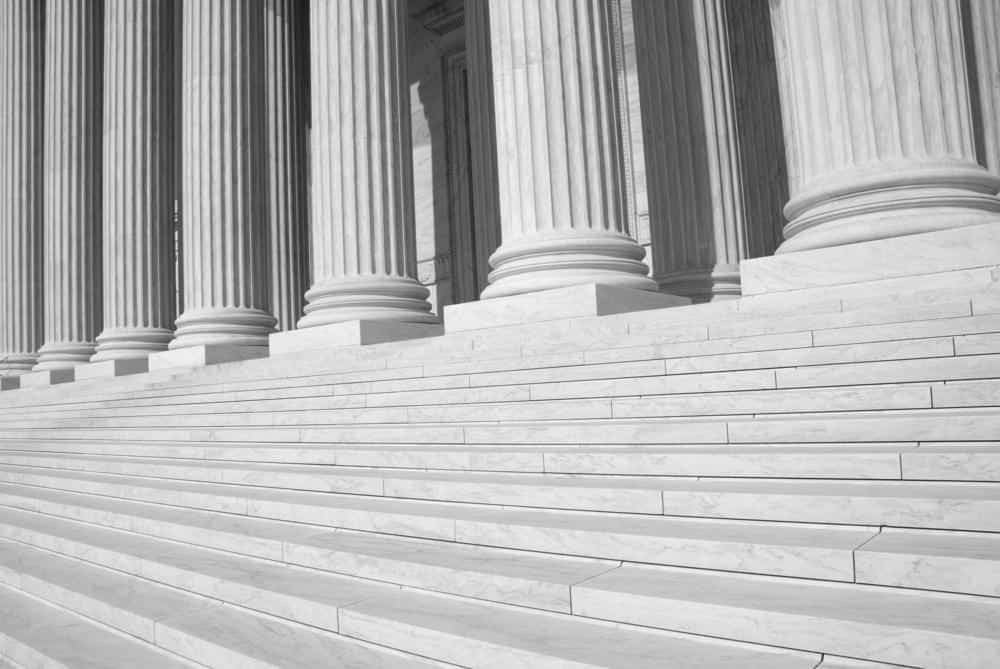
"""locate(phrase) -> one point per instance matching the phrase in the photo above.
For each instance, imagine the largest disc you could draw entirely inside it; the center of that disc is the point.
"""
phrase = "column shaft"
(561, 165)
(22, 41)
(138, 179)
(985, 24)
(364, 252)
(285, 35)
(875, 101)
(224, 196)
(72, 212)
(697, 217)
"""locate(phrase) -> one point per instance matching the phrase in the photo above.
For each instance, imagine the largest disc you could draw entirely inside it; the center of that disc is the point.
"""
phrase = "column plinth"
(561, 166)
(877, 118)
(363, 247)
(223, 173)
(22, 41)
(138, 179)
(72, 216)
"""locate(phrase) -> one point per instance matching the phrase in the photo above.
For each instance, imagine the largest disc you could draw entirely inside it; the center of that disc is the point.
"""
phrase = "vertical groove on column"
(226, 279)
(73, 100)
(363, 247)
(285, 35)
(985, 24)
(482, 133)
(22, 40)
(138, 179)
(697, 213)
(878, 121)
(561, 170)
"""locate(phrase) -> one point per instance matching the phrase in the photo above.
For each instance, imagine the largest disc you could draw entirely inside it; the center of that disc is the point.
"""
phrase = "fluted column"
(697, 218)
(561, 166)
(985, 24)
(72, 199)
(363, 247)
(285, 34)
(875, 101)
(224, 194)
(138, 179)
(22, 40)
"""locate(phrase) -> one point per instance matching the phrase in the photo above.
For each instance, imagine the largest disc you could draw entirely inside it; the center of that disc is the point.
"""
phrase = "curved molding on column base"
(229, 326)
(367, 298)
(848, 208)
(15, 364)
(131, 343)
(63, 355)
(570, 258)
(719, 283)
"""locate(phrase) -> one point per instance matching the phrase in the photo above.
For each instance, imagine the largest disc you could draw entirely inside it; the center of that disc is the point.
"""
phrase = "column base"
(890, 201)
(13, 364)
(567, 258)
(105, 369)
(204, 355)
(721, 282)
(367, 298)
(131, 343)
(349, 333)
(47, 377)
(225, 327)
(10, 382)
(549, 305)
(913, 255)
(63, 355)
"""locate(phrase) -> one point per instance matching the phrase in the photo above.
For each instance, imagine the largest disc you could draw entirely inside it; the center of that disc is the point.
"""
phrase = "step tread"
(520, 630)
(37, 634)
(158, 612)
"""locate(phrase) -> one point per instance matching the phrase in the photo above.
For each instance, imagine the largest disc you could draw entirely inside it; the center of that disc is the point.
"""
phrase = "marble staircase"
(755, 483)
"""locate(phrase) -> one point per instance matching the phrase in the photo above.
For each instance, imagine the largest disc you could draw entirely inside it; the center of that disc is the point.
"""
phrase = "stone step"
(507, 576)
(934, 560)
(904, 503)
(959, 461)
(932, 630)
(200, 628)
(34, 633)
(274, 530)
(508, 405)
(955, 425)
(282, 371)
(521, 371)
(447, 629)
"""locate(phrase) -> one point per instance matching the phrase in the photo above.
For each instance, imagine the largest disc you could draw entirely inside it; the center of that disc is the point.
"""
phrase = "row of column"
(876, 107)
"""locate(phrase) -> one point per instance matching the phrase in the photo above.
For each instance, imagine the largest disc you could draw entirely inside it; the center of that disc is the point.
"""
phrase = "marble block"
(112, 368)
(205, 354)
(10, 382)
(592, 299)
(47, 377)
(908, 256)
(349, 333)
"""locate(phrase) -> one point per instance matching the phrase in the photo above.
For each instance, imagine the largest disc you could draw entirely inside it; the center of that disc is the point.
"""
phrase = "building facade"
(376, 160)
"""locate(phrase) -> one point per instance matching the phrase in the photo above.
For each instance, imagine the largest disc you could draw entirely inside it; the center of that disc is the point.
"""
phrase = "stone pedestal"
(22, 40)
(72, 191)
(286, 61)
(111, 368)
(138, 180)
(349, 333)
(364, 257)
(561, 166)
(877, 119)
(47, 377)
(224, 196)
(577, 301)
(203, 355)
